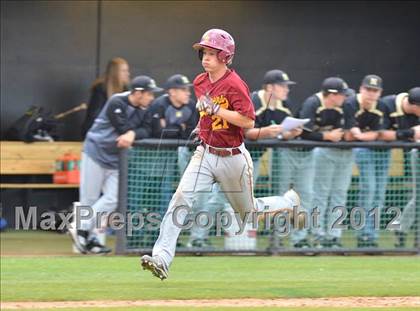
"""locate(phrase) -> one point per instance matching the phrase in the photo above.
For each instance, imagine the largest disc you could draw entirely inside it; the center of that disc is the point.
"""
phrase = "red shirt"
(232, 93)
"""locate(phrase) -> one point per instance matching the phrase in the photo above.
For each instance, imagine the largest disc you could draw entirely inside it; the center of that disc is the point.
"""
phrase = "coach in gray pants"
(123, 119)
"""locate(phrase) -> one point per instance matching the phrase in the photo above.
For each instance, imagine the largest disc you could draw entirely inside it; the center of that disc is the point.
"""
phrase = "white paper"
(291, 123)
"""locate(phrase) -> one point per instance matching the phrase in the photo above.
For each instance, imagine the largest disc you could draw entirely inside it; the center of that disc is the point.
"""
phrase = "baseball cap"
(177, 81)
(335, 85)
(372, 82)
(414, 96)
(277, 76)
(144, 83)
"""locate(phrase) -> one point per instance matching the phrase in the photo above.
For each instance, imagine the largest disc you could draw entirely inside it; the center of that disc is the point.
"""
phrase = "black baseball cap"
(372, 82)
(335, 85)
(177, 81)
(277, 76)
(144, 83)
(414, 96)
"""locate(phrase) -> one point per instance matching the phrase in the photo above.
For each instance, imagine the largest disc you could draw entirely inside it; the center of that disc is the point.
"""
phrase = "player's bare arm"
(333, 135)
(271, 131)
(235, 118)
(356, 134)
(389, 135)
(292, 133)
(368, 136)
(126, 140)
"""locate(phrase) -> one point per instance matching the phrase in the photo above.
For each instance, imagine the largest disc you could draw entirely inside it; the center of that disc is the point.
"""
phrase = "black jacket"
(97, 100)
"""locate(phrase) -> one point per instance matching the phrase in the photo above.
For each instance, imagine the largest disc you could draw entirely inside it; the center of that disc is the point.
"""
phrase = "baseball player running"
(225, 111)
(272, 106)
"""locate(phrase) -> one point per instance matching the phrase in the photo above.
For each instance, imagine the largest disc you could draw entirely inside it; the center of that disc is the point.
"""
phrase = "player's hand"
(162, 123)
(194, 134)
(293, 133)
(356, 133)
(126, 140)
(416, 132)
(274, 130)
(205, 103)
(334, 135)
(196, 130)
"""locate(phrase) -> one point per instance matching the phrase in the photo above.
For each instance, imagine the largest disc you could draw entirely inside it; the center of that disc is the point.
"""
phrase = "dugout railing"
(359, 198)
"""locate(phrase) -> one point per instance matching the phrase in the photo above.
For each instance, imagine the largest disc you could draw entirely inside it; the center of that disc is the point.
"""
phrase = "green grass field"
(51, 278)
(44, 277)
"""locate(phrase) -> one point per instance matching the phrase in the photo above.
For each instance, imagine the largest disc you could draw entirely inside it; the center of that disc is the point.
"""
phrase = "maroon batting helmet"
(220, 40)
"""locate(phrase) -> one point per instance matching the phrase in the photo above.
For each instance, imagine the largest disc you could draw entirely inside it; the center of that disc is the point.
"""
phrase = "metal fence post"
(120, 247)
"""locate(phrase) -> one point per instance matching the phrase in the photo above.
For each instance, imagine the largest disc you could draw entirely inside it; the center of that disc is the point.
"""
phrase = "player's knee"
(180, 199)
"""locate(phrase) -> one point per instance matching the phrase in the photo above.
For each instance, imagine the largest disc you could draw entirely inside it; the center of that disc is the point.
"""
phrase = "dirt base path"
(337, 302)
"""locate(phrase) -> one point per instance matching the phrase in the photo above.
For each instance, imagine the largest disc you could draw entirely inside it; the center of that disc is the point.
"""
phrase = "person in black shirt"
(402, 122)
(333, 166)
(174, 113)
(368, 114)
(402, 113)
(272, 105)
(115, 80)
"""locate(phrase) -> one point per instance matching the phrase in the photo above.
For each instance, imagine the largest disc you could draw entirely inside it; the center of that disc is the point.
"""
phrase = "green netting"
(376, 189)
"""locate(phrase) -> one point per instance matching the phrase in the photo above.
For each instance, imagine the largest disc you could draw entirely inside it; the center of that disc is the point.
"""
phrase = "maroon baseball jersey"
(232, 93)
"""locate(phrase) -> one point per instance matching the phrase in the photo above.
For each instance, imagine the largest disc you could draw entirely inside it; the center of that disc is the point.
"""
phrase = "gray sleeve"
(116, 113)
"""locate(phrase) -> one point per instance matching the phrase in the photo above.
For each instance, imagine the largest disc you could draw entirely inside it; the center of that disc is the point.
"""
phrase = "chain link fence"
(356, 198)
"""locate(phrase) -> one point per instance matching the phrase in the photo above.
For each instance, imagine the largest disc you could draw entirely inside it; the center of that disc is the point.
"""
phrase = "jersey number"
(218, 122)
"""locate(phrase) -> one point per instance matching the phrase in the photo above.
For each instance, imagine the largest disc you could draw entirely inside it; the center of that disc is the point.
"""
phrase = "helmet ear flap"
(222, 56)
(225, 57)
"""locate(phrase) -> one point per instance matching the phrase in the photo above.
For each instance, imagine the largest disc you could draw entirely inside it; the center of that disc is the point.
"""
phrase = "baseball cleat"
(287, 203)
(155, 265)
(304, 243)
(79, 238)
(293, 196)
(95, 247)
